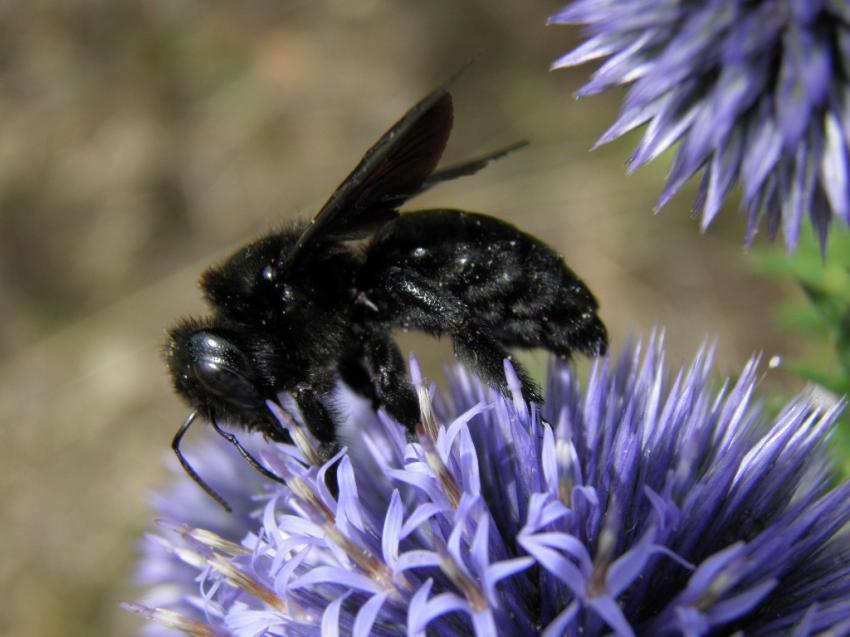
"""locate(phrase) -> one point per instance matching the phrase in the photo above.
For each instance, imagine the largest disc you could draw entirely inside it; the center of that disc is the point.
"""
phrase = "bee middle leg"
(482, 352)
(317, 418)
(388, 375)
(352, 370)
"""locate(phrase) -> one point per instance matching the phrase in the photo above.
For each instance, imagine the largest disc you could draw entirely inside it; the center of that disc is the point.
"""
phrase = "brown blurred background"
(143, 139)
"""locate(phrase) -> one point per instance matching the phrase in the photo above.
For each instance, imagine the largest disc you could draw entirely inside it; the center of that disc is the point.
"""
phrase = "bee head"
(214, 371)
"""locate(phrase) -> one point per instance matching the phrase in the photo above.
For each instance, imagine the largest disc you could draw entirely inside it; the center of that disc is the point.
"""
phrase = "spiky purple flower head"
(756, 92)
(644, 504)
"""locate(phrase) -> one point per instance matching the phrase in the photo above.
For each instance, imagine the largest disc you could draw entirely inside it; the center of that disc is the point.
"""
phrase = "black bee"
(296, 309)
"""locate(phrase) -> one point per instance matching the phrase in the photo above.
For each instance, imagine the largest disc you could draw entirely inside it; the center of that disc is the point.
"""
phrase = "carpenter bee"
(299, 308)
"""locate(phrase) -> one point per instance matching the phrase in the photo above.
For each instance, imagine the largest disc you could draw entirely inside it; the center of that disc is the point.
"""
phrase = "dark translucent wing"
(392, 170)
(466, 168)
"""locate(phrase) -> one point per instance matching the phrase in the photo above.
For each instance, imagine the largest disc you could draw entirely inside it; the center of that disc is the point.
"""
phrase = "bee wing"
(392, 170)
(469, 167)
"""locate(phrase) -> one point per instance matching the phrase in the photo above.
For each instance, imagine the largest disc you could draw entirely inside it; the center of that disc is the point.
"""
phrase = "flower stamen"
(170, 619)
(242, 580)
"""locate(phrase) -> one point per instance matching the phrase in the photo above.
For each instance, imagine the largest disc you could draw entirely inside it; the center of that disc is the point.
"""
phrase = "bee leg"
(321, 425)
(317, 419)
(388, 374)
(433, 310)
(480, 351)
(353, 373)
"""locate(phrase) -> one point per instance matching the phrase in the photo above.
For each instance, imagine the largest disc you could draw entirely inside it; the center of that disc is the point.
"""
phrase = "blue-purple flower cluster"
(647, 503)
(756, 92)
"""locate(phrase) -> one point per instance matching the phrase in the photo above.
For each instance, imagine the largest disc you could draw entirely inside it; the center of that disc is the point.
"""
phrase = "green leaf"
(821, 315)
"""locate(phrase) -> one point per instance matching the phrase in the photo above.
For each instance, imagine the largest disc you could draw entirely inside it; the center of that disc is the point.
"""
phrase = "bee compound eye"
(224, 370)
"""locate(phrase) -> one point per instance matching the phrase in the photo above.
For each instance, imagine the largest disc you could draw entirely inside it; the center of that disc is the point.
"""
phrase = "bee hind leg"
(479, 350)
(429, 307)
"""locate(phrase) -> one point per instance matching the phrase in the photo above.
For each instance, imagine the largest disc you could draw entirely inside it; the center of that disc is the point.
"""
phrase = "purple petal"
(415, 371)
(622, 68)
(806, 627)
(724, 166)
(666, 511)
(286, 573)
(483, 623)
(676, 117)
(558, 626)
(734, 607)
(441, 604)
(549, 462)
(597, 47)
(570, 545)
(392, 529)
(367, 615)
(710, 569)
(348, 507)
(330, 618)
(417, 619)
(479, 550)
(793, 103)
(834, 168)
(691, 621)
(422, 513)
(498, 571)
(557, 565)
(630, 119)
(417, 559)
(608, 610)
(802, 189)
(336, 576)
(543, 511)
(470, 474)
(243, 621)
(628, 566)
(427, 483)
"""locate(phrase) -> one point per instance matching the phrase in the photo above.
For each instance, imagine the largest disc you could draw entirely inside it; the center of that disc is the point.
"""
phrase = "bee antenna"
(229, 437)
(175, 444)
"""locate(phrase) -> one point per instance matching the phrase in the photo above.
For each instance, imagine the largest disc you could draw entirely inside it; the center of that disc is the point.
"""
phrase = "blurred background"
(143, 140)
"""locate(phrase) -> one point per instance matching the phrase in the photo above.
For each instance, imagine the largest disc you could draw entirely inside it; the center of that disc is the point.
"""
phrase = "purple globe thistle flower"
(644, 504)
(756, 93)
